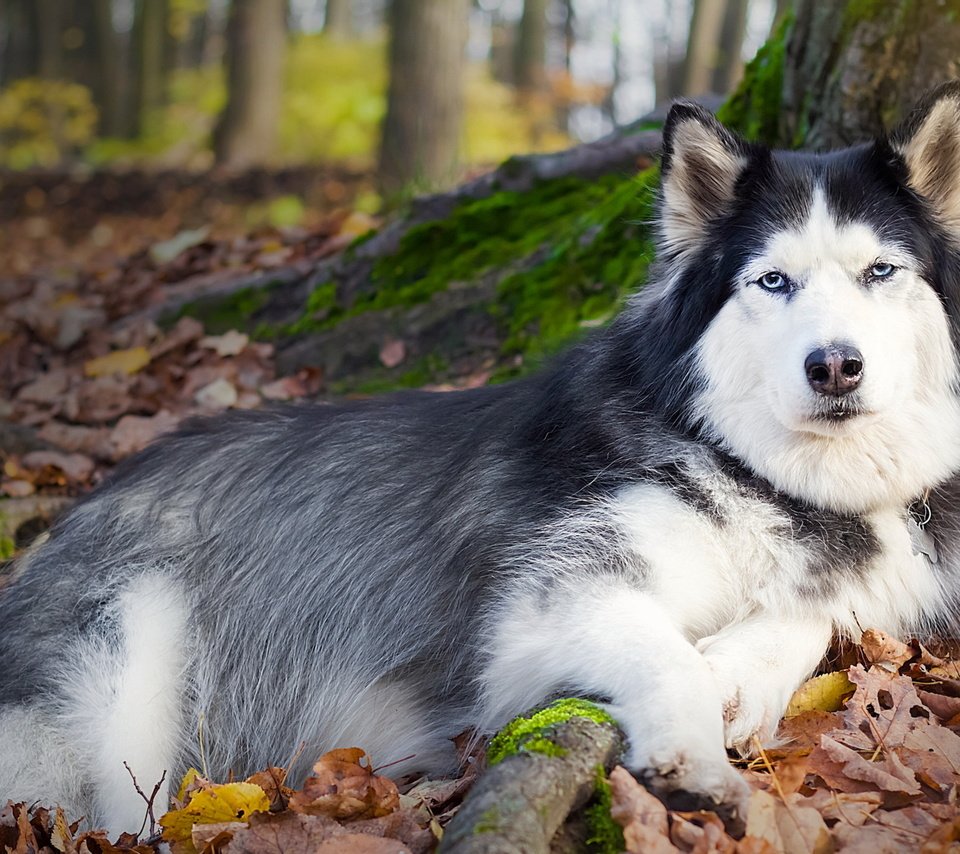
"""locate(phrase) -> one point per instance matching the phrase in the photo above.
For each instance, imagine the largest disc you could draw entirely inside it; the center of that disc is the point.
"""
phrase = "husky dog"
(758, 453)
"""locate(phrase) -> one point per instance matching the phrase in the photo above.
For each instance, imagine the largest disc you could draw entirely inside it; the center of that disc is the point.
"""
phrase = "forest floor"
(871, 760)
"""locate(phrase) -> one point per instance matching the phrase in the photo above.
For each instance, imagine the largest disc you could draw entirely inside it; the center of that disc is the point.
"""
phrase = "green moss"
(8, 548)
(754, 109)
(585, 276)
(489, 821)
(223, 313)
(604, 835)
(517, 735)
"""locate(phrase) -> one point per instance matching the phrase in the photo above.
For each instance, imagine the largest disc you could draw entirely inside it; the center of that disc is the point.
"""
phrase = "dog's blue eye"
(773, 281)
(882, 270)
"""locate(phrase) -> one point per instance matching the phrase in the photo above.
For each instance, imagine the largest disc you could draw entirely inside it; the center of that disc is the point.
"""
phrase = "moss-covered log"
(544, 768)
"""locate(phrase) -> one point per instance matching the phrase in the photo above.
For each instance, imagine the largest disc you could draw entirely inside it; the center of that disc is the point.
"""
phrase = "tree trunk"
(338, 19)
(149, 37)
(108, 81)
(530, 53)
(421, 131)
(729, 66)
(850, 76)
(706, 25)
(49, 38)
(246, 134)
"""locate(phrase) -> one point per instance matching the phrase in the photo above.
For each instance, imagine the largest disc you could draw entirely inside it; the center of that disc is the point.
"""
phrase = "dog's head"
(829, 287)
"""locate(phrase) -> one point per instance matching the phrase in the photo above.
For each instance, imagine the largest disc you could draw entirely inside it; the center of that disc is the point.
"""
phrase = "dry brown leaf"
(881, 648)
(641, 815)
(701, 833)
(297, 833)
(77, 467)
(802, 732)
(933, 753)
(883, 709)
(343, 788)
(845, 770)
(271, 781)
(230, 343)
(392, 352)
(849, 807)
(134, 432)
(792, 828)
(890, 832)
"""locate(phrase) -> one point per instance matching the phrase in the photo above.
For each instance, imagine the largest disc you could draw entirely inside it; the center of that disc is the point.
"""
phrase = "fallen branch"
(520, 804)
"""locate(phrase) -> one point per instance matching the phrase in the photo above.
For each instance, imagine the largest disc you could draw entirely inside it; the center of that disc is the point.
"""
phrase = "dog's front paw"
(686, 765)
(686, 783)
(752, 705)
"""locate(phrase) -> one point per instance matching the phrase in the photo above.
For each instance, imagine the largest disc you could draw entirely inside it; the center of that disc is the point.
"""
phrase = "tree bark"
(49, 38)
(421, 131)
(850, 76)
(530, 53)
(519, 805)
(338, 19)
(729, 66)
(706, 24)
(246, 134)
(149, 37)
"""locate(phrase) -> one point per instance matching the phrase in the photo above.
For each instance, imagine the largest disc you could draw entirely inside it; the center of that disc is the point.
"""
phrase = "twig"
(149, 801)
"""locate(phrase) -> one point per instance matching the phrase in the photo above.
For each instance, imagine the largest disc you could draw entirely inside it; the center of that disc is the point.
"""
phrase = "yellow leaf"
(188, 778)
(229, 802)
(826, 693)
(357, 224)
(118, 362)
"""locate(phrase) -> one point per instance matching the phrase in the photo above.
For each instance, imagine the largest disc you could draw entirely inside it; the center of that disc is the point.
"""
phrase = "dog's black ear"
(929, 144)
(701, 164)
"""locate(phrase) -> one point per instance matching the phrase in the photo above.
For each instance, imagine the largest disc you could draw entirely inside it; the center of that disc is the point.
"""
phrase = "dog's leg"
(758, 664)
(124, 702)
(610, 639)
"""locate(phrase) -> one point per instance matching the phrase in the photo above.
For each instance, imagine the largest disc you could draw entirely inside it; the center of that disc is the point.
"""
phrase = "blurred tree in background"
(421, 131)
(181, 83)
(246, 134)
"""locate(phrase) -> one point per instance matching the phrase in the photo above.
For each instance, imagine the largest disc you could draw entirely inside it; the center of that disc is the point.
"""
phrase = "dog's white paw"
(752, 706)
(685, 766)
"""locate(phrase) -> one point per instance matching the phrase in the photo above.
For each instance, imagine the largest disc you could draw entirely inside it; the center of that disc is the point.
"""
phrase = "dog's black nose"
(835, 369)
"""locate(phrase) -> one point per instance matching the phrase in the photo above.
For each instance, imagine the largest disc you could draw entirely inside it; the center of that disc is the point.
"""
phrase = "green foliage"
(604, 835)
(754, 109)
(565, 253)
(532, 734)
(44, 122)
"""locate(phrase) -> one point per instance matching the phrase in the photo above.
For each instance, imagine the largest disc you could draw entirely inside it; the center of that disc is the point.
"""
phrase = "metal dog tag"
(921, 541)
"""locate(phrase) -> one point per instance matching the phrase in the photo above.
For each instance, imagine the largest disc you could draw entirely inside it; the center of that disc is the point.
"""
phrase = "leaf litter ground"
(869, 759)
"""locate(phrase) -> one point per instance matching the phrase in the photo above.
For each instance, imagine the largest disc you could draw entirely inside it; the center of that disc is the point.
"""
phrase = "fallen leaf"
(881, 648)
(641, 815)
(166, 251)
(77, 467)
(135, 432)
(844, 769)
(118, 362)
(393, 352)
(230, 343)
(220, 394)
(791, 828)
(343, 788)
(230, 802)
(825, 693)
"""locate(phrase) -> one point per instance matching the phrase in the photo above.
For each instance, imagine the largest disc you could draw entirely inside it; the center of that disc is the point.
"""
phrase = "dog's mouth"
(838, 411)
